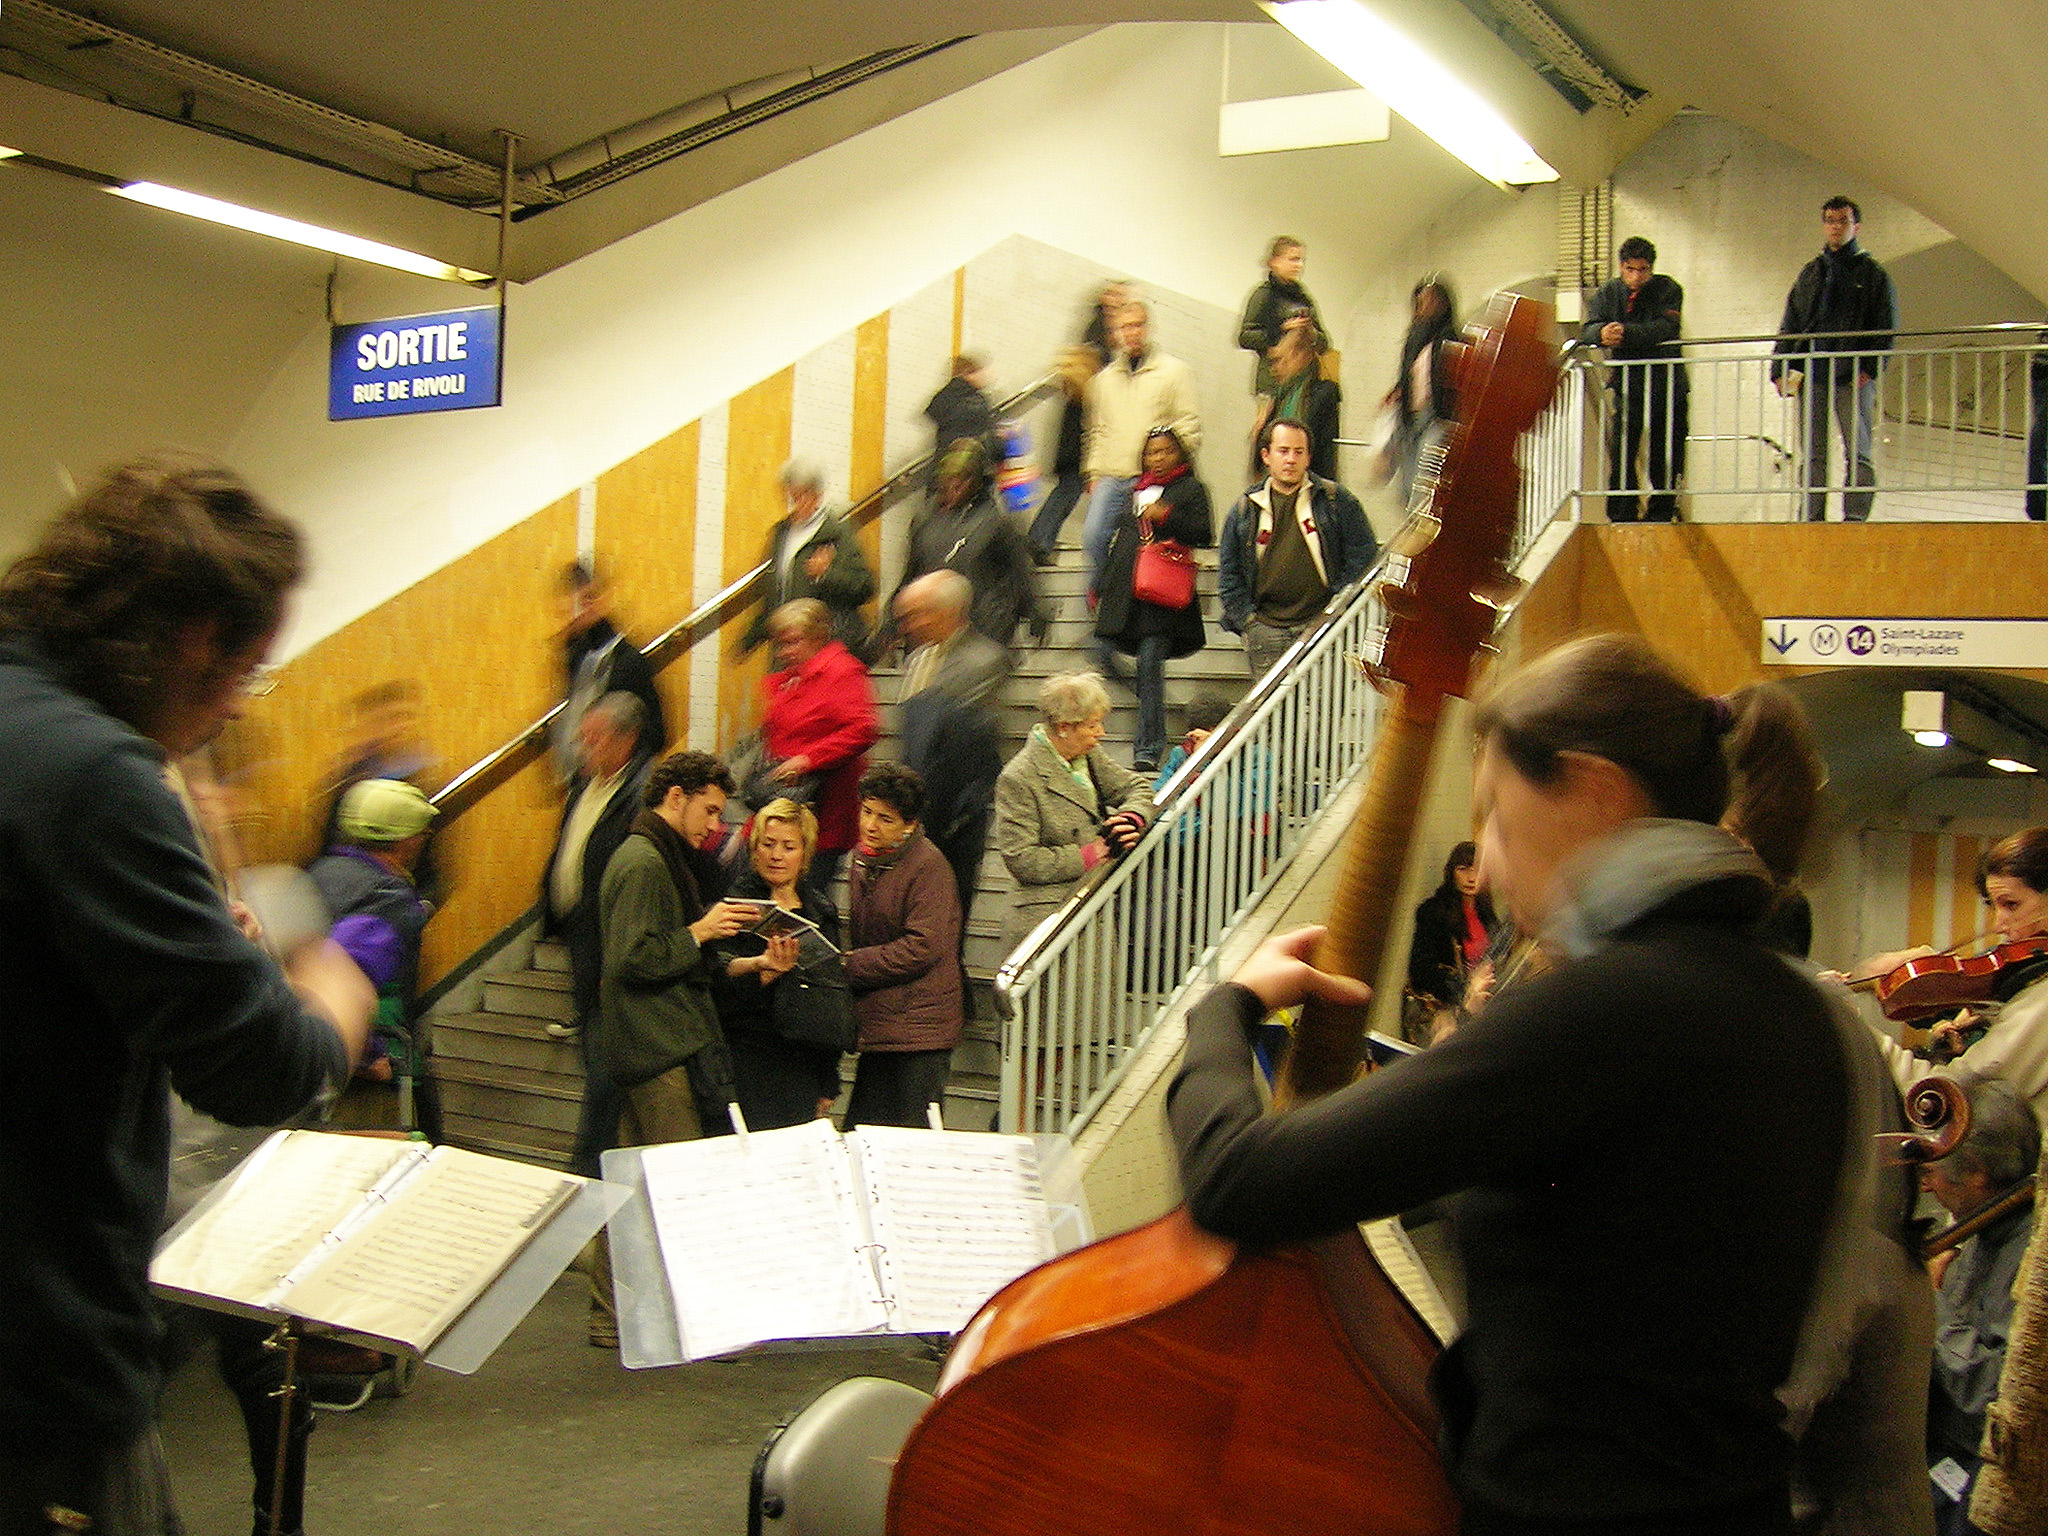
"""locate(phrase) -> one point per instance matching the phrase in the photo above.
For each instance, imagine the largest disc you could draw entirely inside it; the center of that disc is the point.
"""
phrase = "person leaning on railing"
(1062, 806)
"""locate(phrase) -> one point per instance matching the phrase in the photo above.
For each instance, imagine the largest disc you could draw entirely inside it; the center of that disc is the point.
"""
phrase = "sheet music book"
(772, 922)
(803, 1233)
(384, 1242)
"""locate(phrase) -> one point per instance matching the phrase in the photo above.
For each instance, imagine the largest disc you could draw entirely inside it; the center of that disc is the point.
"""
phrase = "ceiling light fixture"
(2011, 765)
(6, 153)
(235, 216)
(1931, 738)
(1416, 85)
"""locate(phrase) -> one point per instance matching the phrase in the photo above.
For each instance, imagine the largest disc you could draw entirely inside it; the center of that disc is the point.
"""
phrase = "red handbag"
(1165, 571)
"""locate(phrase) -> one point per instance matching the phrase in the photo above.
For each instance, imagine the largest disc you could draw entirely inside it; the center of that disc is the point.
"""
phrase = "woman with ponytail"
(1645, 1141)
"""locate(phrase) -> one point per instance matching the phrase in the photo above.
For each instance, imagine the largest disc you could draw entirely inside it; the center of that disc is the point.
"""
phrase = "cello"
(1162, 1379)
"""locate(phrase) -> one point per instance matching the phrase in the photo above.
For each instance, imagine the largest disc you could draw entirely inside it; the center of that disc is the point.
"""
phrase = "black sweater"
(1647, 1142)
(124, 978)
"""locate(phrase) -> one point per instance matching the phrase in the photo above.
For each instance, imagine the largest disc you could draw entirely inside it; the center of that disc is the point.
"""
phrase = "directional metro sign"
(1905, 642)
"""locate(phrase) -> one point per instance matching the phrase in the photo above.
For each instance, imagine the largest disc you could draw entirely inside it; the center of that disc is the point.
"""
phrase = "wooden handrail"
(497, 767)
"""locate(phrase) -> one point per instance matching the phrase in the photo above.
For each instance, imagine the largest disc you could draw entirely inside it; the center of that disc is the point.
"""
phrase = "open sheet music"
(802, 1233)
(772, 922)
(383, 1241)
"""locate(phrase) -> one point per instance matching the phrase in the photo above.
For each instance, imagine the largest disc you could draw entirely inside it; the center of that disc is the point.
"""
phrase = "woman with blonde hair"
(781, 1081)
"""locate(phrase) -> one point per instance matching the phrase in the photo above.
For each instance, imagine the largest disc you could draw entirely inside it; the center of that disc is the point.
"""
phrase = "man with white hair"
(813, 553)
(949, 731)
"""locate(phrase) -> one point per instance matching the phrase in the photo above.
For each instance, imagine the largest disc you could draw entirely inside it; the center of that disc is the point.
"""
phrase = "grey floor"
(550, 1436)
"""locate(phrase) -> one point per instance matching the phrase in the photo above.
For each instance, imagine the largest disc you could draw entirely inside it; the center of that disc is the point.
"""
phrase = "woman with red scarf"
(818, 721)
(1452, 931)
(1168, 504)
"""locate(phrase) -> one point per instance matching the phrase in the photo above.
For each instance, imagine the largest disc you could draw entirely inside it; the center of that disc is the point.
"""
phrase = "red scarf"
(1150, 479)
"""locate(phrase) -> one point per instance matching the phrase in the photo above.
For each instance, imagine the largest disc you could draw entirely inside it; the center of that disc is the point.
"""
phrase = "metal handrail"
(1071, 1027)
(495, 768)
(1997, 328)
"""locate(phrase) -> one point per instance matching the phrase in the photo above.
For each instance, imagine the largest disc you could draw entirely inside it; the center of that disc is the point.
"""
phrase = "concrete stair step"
(531, 995)
(503, 1040)
(506, 1078)
(551, 955)
(502, 1138)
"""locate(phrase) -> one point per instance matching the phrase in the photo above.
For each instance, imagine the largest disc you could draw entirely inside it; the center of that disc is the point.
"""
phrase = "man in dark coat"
(603, 801)
(965, 531)
(813, 553)
(945, 718)
(1636, 318)
(1843, 289)
(599, 660)
(960, 409)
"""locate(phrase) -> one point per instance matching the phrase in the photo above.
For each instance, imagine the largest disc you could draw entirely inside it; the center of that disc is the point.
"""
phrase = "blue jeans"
(1112, 499)
(1150, 747)
(1052, 515)
(1832, 388)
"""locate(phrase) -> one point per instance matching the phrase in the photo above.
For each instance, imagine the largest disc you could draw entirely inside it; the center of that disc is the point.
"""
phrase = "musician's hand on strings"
(1280, 976)
(1947, 1036)
(1479, 989)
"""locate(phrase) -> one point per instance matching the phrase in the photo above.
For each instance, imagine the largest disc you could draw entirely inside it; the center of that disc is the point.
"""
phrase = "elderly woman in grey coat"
(1062, 806)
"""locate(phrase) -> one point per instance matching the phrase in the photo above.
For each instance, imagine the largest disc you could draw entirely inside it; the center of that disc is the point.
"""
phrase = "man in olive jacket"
(658, 1034)
(813, 553)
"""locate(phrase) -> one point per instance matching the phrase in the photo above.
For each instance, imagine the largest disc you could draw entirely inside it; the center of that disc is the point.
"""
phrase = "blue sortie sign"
(445, 362)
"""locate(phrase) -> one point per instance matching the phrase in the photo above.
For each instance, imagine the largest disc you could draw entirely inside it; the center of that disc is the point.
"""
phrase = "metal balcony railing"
(1941, 433)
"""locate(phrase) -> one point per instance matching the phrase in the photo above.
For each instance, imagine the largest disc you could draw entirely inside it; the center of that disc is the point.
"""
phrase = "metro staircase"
(508, 1087)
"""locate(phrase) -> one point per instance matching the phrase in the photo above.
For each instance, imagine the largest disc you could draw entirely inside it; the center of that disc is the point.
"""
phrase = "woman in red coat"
(818, 721)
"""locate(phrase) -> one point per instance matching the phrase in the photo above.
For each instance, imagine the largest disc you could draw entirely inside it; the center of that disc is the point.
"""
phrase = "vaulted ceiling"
(1944, 106)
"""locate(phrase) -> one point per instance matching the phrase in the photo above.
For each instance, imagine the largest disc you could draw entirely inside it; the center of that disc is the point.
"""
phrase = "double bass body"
(1174, 1384)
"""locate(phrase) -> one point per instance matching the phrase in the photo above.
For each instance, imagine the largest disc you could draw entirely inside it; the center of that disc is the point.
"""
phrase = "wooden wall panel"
(757, 446)
(870, 425)
(1921, 874)
(479, 639)
(647, 539)
(1700, 591)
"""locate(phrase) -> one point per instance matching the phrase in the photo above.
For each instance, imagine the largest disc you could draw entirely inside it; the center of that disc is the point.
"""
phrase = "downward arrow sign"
(1783, 641)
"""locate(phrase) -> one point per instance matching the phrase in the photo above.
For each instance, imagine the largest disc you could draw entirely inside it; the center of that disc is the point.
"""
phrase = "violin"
(1934, 986)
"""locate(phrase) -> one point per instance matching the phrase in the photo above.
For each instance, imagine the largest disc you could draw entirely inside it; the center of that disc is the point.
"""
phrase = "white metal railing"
(1940, 433)
(1081, 995)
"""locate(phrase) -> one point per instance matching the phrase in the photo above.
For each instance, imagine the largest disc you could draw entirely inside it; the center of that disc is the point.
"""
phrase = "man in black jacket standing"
(1636, 318)
(1843, 289)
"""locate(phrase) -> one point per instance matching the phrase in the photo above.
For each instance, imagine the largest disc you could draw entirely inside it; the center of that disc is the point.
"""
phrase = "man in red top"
(818, 722)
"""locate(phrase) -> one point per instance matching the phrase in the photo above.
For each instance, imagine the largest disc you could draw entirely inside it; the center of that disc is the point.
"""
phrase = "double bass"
(1164, 1380)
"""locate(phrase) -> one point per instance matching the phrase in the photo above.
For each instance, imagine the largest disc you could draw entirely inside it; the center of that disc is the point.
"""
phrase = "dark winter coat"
(845, 586)
(1845, 290)
(1436, 955)
(980, 541)
(1265, 315)
(623, 670)
(1120, 617)
(1649, 326)
(578, 927)
(960, 410)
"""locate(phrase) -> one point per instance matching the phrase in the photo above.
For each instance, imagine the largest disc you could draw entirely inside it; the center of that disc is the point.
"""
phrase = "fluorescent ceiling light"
(278, 228)
(1931, 738)
(6, 153)
(2011, 765)
(1415, 85)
